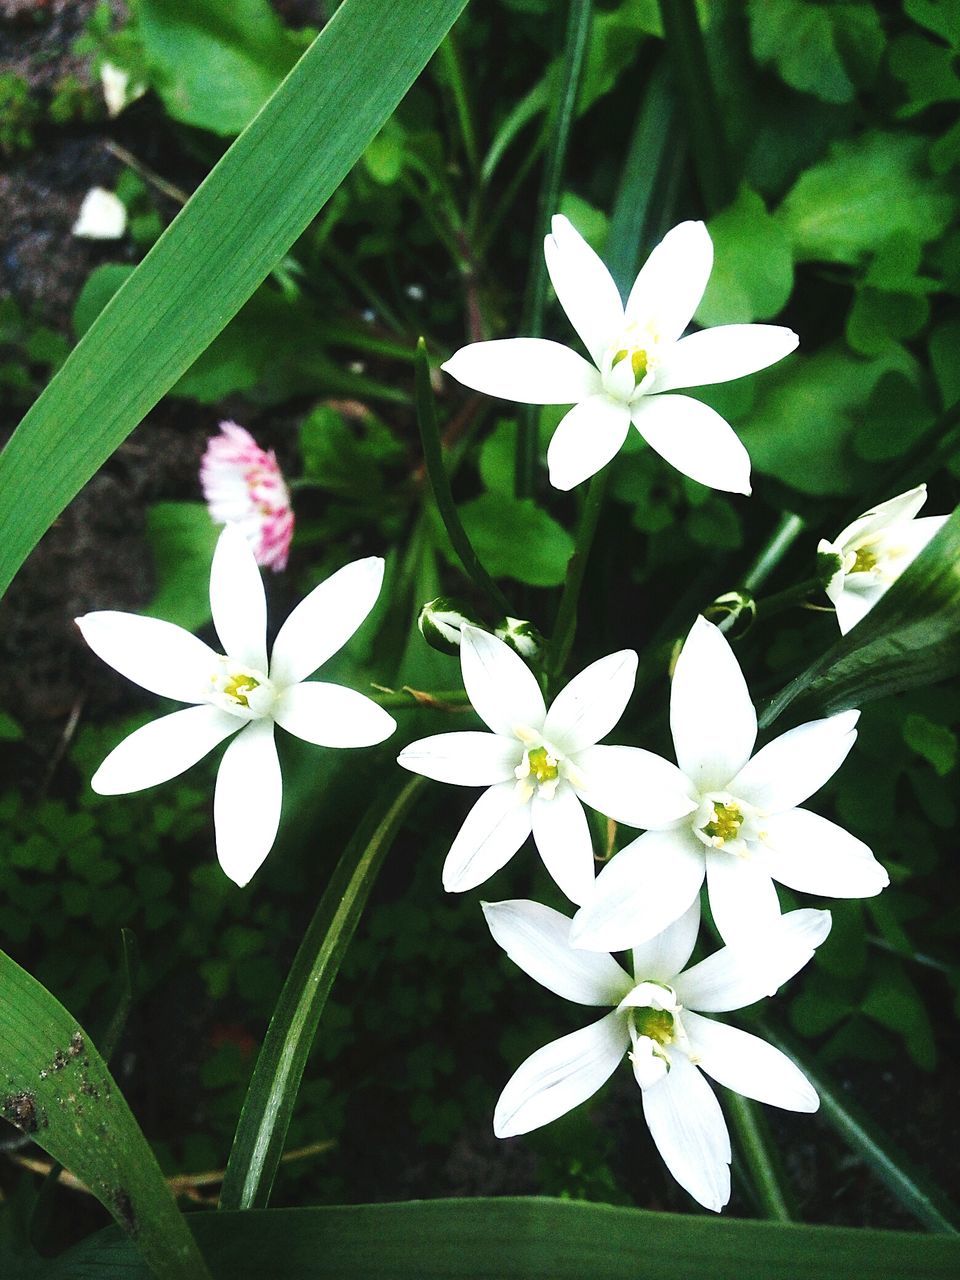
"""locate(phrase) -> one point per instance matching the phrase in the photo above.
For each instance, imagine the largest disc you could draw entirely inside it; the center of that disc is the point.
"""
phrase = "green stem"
(574, 51)
(565, 627)
(268, 1106)
(453, 70)
(767, 606)
(440, 483)
(755, 1146)
(788, 529)
(438, 700)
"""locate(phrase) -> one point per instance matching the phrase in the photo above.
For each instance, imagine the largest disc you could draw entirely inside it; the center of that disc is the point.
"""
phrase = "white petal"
(903, 507)
(592, 703)
(237, 600)
(712, 719)
(808, 853)
(584, 286)
(560, 1076)
(853, 605)
(694, 438)
(794, 766)
(671, 282)
(502, 688)
(736, 976)
(685, 1121)
(537, 938)
(491, 834)
(749, 1065)
(631, 785)
(246, 802)
(722, 354)
(742, 896)
(156, 655)
(644, 888)
(527, 370)
(163, 749)
(332, 716)
(468, 759)
(562, 837)
(325, 620)
(586, 439)
(663, 956)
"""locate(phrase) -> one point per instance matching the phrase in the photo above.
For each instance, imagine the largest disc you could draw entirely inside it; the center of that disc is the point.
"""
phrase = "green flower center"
(638, 361)
(725, 824)
(543, 766)
(865, 560)
(239, 686)
(655, 1024)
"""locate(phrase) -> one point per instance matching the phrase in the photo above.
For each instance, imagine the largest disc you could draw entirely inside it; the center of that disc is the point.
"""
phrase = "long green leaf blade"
(234, 230)
(526, 1239)
(57, 1088)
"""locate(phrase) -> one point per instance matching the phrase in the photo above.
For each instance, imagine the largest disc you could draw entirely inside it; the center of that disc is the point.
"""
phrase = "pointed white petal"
(794, 766)
(237, 600)
(537, 938)
(743, 898)
(163, 749)
(560, 1076)
(694, 438)
(736, 976)
(584, 286)
(853, 604)
(491, 834)
(592, 703)
(325, 620)
(155, 655)
(685, 1121)
(722, 354)
(671, 282)
(663, 956)
(586, 439)
(332, 716)
(246, 802)
(527, 370)
(467, 759)
(633, 786)
(811, 854)
(712, 719)
(903, 507)
(910, 539)
(749, 1065)
(562, 837)
(502, 688)
(644, 888)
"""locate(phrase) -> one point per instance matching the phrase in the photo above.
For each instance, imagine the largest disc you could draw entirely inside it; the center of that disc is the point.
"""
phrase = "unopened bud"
(521, 636)
(733, 612)
(440, 622)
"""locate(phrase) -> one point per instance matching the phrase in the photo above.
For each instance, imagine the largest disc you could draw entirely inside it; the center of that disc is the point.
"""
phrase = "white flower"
(538, 766)
(237, 693)
(102, 216)
(657, 1020)
(745, 830)
(638, 352)
(874, 551)
(243, 485)
(117, 89)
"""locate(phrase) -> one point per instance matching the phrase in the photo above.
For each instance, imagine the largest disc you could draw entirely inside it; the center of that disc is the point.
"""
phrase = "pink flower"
(243, 485)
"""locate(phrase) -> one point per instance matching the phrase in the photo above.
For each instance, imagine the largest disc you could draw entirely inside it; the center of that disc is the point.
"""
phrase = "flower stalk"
(565, 627)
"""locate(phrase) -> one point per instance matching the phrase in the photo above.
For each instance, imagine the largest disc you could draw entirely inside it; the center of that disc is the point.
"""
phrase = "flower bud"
(733, 612)
(440, 621)
(522, 636)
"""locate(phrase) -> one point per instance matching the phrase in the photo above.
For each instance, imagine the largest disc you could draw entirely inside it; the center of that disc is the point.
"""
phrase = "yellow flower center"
(543, 766)
(865, 560)
(656, 1024)
(639, 361)
(725, 824)
(239, 686)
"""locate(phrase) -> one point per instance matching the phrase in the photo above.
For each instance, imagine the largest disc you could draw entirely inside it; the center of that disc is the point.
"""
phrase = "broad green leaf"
(868, 189)
(939, 16)
(943, 346)
(752, 274)
(235, 228)
(515, 538)
(182, 537)
(926, 70)
(910, 637)
(59, 1091)
(525, 1239)
(936, 743)
(798, 38)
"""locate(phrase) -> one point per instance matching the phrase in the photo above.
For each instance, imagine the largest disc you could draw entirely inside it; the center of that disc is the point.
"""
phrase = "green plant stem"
(768, 606)
(440, 484)
(574, 51)
(453, 70)
(788, 529)
(754, 1142)
(438, 700)
(565, 627)
(268, 1106)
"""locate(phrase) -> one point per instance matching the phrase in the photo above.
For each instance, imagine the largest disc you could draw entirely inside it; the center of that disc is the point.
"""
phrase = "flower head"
(871, 553)
(743, 829)
(102, 216)
(638, 353)
(538, 765)
(657, 1022)
(238, 692)
(243, 485)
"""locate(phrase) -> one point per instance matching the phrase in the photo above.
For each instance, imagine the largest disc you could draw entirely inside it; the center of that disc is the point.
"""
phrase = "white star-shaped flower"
(874, 551)
(538, 765)
(744, 830)
(638, 352)
(658, 1021)
(237, 692)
